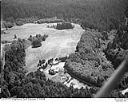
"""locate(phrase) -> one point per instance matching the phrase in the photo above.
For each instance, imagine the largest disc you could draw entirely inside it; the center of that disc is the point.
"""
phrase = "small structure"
(15, 36)
(3, 31)
(124, 91)
(50, 61)
(55, 62)
(52, 72)
(41, 70)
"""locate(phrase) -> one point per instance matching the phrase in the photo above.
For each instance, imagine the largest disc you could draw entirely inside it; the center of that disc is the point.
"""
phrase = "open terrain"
(58, 44)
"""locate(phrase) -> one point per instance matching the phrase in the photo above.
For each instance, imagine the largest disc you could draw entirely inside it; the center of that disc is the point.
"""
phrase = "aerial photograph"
(64, 49)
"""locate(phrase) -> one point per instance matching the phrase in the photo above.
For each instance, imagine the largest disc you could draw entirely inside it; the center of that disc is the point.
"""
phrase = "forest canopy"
(96, 57)
(101, 14)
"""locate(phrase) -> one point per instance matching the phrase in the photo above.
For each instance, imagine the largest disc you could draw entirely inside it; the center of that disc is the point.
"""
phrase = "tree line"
(101, 15)
(16, 83)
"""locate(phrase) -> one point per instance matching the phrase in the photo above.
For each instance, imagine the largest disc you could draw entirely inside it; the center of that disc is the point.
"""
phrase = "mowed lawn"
(58, 44)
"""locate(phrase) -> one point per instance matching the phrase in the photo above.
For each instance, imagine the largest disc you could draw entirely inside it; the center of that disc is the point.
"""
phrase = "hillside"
(63, 48)
(89, 63)
(100, 13)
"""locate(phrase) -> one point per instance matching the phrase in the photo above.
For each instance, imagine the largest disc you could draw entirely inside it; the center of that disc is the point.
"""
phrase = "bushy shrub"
(124, 82)
(19, 23)
(8, 24)
(38, 36)
(36, 40)
(44, 37)
(85, 24)
(5, 41)
(62, 59)
(64, 25)
(30, 38)
(36, 43)
(116, 94)
(104, 35)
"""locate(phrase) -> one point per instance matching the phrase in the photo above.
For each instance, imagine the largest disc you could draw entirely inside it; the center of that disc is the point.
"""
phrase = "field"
(58, 44)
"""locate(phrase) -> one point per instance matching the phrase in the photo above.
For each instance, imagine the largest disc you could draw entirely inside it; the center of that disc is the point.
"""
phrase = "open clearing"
(58, 44)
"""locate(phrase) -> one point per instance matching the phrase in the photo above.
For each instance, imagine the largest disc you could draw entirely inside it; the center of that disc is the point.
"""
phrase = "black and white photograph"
(64, 49)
